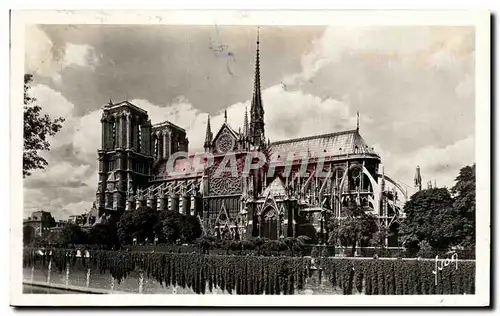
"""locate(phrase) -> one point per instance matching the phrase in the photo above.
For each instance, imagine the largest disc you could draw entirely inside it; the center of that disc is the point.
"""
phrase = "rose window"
(225, 143)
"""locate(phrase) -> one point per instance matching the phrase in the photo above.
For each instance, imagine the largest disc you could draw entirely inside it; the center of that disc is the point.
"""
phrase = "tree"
(72, 234)
(104, 235)
(380, 236)
(357, 226)
(430, 217)
(139, 223)
(258, 242)
(190, 228)
(296, 244)
(464, 195)
(171, 226)
(28, 234)
(205, 243)
(274, 245)
(37, 127)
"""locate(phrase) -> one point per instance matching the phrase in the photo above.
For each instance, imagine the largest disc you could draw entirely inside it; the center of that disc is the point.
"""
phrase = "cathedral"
(302, 181)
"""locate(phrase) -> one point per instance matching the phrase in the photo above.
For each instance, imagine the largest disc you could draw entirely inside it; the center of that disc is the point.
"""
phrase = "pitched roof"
(326, 145)
(182, 167)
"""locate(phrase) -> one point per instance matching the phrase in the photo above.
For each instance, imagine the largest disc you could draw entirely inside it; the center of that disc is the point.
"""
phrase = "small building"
(40, 221)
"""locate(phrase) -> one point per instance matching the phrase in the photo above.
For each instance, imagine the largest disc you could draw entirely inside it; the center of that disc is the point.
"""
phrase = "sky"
(413, 87)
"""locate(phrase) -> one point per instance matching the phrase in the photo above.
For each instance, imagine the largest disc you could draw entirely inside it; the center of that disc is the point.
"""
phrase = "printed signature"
(441, 263)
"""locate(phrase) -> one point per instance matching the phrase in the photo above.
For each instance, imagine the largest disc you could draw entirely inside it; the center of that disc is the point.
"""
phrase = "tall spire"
(208, 135)
(245, 124)
(256, 110)
(418, 179)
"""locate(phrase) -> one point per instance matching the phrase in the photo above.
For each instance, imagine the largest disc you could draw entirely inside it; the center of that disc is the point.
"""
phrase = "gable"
(225, 140)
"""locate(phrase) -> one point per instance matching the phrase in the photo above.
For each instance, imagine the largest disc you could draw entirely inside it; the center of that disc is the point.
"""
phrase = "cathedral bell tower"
(125, 156)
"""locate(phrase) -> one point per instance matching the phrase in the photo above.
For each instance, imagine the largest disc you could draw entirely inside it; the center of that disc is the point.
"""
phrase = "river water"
(32, 289)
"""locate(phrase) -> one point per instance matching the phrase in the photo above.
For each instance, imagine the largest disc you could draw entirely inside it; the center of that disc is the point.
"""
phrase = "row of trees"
(143, 225)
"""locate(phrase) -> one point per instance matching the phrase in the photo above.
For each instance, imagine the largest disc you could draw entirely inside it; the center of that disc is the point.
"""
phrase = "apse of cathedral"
(300, 183)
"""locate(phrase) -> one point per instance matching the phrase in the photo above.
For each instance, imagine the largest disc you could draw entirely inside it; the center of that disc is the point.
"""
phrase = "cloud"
(423, 46)
(69, 177)
(440, 164)
(80, 55)
(39, 52)
(280, 124)
(46, 59)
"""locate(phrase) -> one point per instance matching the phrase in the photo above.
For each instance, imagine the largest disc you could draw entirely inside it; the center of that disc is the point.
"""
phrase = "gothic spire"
(245, 124)
(225, 116)
(256, 109)
(208, 135)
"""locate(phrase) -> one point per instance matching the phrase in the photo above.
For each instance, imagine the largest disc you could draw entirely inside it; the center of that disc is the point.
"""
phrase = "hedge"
(266, 275)
(398, 277)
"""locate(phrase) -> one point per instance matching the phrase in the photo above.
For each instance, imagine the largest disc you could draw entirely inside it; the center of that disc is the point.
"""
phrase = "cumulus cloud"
(69, 180)
(422, 46)
(439, 164)
(39, 52)
(44, 58)
(80, 55)
(323, 116)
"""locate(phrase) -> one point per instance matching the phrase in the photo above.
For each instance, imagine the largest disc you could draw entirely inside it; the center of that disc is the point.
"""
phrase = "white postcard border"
(480, 19)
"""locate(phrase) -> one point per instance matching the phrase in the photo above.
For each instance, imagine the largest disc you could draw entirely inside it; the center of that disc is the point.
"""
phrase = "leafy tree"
(356, 227)
(205, 243)
(258, 242)
(380, 236)
(190, 228)
(171, 226)
(274, 245)
(49, 238)
(104, 235)
(296, 244)
(28, 234)
(72, 234)
(464, 195)
(139, 223)
(430, 217)
(37, 127)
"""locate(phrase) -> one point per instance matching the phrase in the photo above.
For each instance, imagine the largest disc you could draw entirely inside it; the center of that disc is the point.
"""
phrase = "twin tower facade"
(130, 147)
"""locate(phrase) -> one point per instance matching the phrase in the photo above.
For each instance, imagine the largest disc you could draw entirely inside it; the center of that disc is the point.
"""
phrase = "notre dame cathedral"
(293, 200)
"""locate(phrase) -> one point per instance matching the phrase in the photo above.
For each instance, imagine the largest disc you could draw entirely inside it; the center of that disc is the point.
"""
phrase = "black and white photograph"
(303, 158)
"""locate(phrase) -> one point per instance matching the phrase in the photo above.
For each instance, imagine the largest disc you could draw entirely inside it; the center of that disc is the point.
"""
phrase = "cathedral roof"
(183, 167)
(326, 145)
